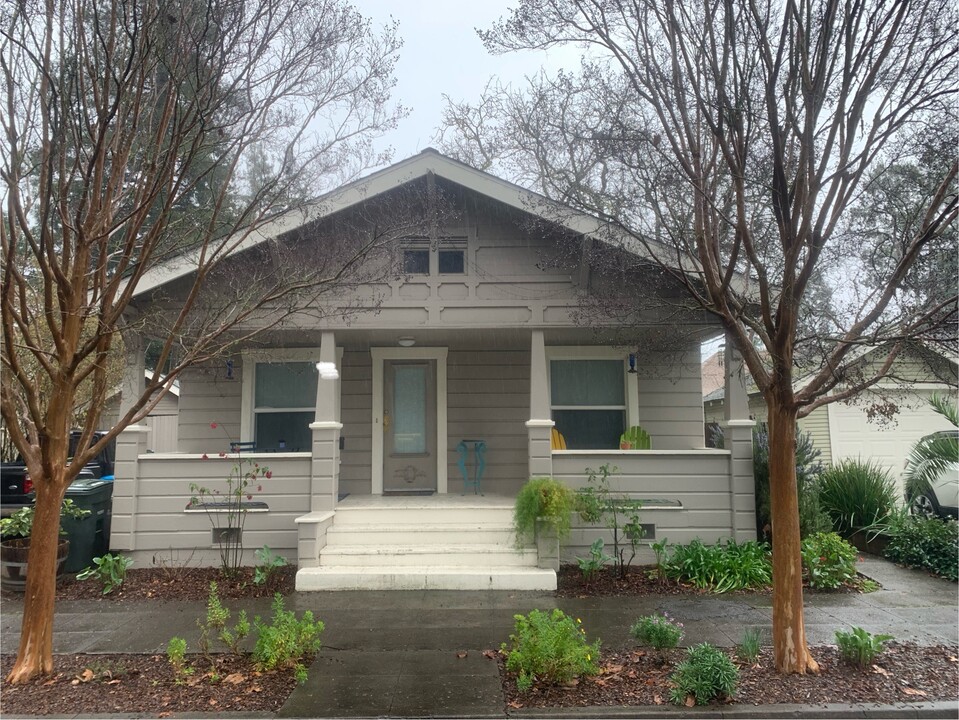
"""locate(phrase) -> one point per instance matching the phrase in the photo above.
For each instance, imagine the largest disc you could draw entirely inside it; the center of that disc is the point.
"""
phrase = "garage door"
(855, 436)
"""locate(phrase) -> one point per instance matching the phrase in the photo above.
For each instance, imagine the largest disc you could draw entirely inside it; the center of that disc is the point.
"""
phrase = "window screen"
(588, 402)
(284, 405)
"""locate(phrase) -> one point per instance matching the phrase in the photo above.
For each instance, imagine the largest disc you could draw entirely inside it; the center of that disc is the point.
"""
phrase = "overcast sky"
(442, 54)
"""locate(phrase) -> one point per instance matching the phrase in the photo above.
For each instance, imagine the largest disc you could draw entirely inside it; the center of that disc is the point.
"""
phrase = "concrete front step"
(467, 556)
(434, 534)
(425, 578)
(418, 516)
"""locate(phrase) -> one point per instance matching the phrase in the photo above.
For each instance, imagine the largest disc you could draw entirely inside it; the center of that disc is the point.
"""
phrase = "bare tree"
(127, 130)
(727, 143)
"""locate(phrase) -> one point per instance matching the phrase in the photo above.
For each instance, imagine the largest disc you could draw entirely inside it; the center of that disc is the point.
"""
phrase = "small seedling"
(748, 648)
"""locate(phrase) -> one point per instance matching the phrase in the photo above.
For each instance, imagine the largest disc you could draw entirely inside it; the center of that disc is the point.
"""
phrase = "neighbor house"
(880, 424)
(475, 357)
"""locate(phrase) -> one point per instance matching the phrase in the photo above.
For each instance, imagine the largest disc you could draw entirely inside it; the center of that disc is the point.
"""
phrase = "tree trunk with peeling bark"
(35, 653)
(789, 632)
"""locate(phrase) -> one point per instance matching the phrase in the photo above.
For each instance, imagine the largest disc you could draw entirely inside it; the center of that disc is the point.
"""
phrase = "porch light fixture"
(406, 341)
(229, 369)
(327, 370)
(632, 364)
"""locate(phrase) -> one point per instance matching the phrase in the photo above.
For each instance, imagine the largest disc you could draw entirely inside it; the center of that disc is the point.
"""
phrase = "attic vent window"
(447, 256)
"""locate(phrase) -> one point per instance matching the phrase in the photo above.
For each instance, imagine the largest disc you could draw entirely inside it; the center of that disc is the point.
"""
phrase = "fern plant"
(543, 498)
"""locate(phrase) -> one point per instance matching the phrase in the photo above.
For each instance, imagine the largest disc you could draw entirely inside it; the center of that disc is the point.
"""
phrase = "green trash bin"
(89, 536)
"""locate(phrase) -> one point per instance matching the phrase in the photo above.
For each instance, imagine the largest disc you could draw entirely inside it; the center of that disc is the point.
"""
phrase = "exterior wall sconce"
(229, 369)
(327, 370)
(406, 341)
(632, 364)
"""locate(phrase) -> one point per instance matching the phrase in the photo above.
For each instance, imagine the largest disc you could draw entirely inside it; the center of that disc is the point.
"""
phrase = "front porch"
(500, 388)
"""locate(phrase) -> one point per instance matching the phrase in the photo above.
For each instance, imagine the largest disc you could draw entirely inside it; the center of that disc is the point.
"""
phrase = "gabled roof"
(429, 161)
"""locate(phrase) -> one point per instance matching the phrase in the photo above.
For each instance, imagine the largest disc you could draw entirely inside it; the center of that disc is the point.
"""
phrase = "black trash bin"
(89, 536)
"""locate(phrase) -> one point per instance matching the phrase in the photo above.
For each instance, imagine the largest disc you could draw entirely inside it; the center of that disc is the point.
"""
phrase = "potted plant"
(15, 544)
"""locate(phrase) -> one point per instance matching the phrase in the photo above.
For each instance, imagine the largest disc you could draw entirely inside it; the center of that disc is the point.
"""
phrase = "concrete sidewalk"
(420, 653)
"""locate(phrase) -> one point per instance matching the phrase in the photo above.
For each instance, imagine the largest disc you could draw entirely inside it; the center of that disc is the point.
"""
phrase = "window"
(588, 400)
(284, 405)
(447, 256)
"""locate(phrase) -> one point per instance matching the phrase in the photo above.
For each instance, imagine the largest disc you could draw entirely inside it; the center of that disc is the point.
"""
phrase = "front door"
(409, 426)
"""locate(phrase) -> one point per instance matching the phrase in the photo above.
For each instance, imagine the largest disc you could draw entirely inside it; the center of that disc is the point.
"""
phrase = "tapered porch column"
(539, 426)
(738, 430)
(131, 443)
(326, 427)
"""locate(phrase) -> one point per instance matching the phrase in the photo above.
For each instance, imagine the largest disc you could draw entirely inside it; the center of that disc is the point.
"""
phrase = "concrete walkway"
(420, 653)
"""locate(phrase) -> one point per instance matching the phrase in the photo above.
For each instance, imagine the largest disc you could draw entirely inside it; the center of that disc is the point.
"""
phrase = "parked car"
(16, 488)
(941, 497)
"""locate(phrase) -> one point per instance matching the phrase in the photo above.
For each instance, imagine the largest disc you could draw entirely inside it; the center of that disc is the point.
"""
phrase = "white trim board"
(381, 354)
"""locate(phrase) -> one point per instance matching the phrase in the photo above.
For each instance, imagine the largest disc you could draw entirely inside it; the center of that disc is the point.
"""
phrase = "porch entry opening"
(409, 426)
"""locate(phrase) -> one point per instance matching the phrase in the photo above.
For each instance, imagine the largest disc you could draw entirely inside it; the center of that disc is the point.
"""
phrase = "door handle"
(387, 421)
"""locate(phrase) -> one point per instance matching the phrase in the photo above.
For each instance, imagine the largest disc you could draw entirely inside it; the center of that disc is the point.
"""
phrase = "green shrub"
(658, 631)
(706, 673)
(544, 498)
(597, 503)
(109, 569)
(176, 655)
(829, 560)
(857, 494)
(286, 641)
(748, 648)
(927, 543)
(217, 625)
(549, 648)
(721, 567)
(860, 647)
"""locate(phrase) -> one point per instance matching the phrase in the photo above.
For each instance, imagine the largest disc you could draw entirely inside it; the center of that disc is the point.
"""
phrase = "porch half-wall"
(691, 492)
(150, 518)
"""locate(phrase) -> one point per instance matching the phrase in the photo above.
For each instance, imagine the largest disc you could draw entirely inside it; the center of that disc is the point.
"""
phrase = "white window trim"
(381, 354)
(249, 359)
(596, 352)
(461, 240)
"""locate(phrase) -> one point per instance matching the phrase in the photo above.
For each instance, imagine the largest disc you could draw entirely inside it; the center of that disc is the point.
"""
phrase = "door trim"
(381, 354)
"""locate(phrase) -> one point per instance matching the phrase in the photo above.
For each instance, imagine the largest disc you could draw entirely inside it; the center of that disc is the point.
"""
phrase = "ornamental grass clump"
(706, 673)
(549, 648)
(829, 561)
(857, 494)
(658, 631)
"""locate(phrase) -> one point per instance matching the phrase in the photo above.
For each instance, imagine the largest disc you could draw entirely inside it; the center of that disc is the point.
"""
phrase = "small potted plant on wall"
(15, 544)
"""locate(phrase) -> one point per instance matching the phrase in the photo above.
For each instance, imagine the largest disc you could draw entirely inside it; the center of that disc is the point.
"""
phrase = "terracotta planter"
(13, 562)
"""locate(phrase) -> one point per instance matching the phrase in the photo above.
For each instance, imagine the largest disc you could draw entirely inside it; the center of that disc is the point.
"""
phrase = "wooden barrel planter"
(13, 562)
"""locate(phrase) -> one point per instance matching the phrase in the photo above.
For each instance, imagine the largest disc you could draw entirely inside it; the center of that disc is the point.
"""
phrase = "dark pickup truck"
(16, 488)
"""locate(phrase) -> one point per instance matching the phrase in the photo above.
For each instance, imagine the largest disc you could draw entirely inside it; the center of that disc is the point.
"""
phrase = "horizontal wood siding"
(670, 399)
(206, 397)
(699, 480)
(488, 399)
(164, 492)
(817, 425)
(356, 414)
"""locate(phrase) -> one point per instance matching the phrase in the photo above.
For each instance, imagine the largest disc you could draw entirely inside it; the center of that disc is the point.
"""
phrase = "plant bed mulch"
(643, 580)
(903, 672)
(175, 584)
(129, 684)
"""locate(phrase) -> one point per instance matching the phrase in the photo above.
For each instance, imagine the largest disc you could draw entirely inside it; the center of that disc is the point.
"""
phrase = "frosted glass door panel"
(409, 408)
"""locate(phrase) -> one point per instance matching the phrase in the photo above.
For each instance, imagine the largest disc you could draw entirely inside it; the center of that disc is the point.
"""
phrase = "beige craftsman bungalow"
(475, 358)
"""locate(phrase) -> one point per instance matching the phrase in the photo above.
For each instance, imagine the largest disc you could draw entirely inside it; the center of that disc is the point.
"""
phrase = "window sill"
(226, 507)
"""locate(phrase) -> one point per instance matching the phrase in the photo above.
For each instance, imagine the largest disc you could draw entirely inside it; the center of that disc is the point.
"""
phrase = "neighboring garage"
(861, 429)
